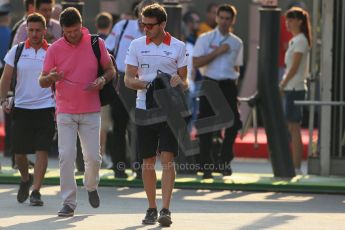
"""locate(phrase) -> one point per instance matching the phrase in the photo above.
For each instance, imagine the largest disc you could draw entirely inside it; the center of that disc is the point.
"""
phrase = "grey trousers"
(87, 126)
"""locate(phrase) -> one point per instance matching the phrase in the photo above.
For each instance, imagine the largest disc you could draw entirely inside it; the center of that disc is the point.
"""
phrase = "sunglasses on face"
(149, 26)
(295, 14)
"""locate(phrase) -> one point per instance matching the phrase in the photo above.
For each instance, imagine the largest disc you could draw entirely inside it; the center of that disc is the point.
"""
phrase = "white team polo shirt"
(131, 32)
(167, 57)
(298, 44)
(222, 67)
(29, 94)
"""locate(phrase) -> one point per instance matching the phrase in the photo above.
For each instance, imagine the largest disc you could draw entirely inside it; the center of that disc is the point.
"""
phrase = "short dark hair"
(36, 17)
(69, 17)
(140, 5)
(155, 11)
(27, 3)
(227, 8)
(188, 16)
(39, 2)
(103, 20)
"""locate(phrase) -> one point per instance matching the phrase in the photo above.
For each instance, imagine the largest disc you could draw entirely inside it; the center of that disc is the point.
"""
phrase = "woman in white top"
(293, 84)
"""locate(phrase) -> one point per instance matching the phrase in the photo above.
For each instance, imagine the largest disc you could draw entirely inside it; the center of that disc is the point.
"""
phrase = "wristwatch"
(48, 80)
(104, 80)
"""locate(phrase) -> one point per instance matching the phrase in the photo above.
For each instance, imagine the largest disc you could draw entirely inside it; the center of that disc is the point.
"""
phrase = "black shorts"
(155, 137)
(32, 130)
(293, 113)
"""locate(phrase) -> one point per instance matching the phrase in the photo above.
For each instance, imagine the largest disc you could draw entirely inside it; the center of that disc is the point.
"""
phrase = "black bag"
(162, 81)
(108, 93)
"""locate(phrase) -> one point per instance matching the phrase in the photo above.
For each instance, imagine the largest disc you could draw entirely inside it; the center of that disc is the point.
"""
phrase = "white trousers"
(87, 126)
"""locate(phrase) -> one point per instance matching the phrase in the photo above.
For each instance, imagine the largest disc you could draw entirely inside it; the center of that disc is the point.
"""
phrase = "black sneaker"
(165, 217)
(94, 199)
(35, 198)
(24, 189)
(66, 211)
(207, 175)
(151, 216)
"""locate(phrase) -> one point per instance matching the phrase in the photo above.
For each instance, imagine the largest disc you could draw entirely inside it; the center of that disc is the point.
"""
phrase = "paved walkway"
(123, 209)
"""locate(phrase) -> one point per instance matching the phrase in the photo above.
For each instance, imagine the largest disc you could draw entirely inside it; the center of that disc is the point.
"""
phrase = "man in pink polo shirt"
(71, 66)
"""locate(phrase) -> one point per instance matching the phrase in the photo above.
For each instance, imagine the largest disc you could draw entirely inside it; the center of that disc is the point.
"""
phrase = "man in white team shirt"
(156, 51)
(220, 52)
(33, 124)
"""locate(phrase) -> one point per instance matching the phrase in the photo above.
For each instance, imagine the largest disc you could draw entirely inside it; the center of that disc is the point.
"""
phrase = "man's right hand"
(6, 106)
(222, 49)
(54, 75)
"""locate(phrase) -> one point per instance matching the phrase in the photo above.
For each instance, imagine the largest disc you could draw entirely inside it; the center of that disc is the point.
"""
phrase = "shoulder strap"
(121, 34)
(96, 51)
(19, 51)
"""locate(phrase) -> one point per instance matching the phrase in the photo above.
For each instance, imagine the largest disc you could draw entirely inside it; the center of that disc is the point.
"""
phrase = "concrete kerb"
(238, 181)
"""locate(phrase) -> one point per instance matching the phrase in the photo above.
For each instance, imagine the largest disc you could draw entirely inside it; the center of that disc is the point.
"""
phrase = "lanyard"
(221, 42)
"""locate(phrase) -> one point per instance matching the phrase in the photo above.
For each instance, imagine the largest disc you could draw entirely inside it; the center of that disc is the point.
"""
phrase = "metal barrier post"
(268, 92)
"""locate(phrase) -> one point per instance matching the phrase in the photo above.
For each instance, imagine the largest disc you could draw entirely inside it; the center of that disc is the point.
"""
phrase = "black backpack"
(108, 93)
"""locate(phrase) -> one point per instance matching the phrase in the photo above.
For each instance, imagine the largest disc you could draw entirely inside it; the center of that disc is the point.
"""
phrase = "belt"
(225, 80)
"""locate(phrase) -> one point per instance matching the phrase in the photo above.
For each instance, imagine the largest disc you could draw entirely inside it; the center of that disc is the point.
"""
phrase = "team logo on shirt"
(167, 53)
(145, 51)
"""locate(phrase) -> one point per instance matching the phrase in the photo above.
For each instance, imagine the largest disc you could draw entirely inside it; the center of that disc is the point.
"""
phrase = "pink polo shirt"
(79, 65)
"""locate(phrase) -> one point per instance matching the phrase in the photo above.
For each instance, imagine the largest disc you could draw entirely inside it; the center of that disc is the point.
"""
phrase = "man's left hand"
(175, 80)
(97, 84)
